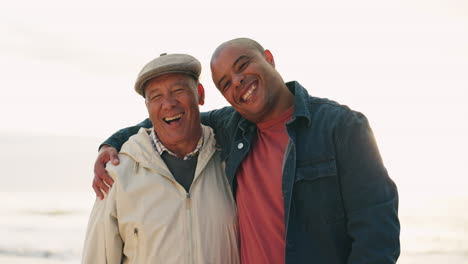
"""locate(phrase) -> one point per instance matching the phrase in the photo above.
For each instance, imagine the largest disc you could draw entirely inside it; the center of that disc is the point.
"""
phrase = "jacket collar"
(301, 111)
(140, 148)
(160, 148)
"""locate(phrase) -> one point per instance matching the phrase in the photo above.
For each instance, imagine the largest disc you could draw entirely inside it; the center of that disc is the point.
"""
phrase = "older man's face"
(172, 105)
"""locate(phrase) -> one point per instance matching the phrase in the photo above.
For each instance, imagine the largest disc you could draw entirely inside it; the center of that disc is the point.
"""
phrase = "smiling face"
(246, 76)
(172, 103)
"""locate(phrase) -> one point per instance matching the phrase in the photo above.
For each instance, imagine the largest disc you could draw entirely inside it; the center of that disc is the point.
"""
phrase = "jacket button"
(240, 145)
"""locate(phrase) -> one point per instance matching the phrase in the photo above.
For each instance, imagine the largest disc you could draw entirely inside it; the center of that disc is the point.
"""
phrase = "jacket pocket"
(316, 169)
(317, 196)
(136, 237)
(132, 244)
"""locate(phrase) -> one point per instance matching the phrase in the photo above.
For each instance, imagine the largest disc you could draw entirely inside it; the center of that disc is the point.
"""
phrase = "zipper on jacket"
(188, 201)
(188, 224)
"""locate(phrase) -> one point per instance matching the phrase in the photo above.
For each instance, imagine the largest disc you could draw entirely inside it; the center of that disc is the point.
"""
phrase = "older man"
(309, 182)
(170, 202)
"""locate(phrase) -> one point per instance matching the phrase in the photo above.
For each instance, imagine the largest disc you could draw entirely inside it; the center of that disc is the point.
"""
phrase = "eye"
(243, 65)
(155, 97)
(226, 85)
(178, 91)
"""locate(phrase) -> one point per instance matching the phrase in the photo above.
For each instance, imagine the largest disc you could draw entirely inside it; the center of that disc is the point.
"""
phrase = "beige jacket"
(148, 217)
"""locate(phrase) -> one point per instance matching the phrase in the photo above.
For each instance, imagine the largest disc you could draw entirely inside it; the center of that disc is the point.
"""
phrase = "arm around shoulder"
(224, 123)
(120, 137)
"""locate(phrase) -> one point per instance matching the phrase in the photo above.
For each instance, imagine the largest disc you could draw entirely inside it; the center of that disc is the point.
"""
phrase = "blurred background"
(68, 68)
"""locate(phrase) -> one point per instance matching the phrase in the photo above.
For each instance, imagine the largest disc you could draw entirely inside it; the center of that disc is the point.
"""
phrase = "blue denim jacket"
(340, 204)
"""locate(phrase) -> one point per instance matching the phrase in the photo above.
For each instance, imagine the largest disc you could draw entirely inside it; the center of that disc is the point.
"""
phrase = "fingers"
(106, 179)
(102, 181)
(100, 172)
(98, 191)
(114, 156)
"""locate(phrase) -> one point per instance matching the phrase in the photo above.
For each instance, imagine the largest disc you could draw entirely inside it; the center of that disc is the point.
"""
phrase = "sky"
(68, 68)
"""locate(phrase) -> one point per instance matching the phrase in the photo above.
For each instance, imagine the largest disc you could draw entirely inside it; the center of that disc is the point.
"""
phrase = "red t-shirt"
(259, 194)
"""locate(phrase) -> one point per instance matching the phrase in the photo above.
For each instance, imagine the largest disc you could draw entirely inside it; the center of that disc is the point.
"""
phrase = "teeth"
(173, 117)
(249, 92)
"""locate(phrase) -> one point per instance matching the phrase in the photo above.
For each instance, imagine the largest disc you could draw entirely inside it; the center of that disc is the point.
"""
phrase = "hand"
(102, 181)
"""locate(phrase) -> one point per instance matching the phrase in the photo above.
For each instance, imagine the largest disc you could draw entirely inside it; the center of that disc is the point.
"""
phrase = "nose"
(168, 102)
(238, 79)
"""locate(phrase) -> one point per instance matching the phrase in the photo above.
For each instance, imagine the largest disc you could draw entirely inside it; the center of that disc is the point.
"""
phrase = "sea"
(43, 227)
(46, 198)
(49, 227)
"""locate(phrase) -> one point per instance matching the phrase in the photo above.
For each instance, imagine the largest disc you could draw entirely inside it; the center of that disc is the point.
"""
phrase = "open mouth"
(172, 119)
(249, 92)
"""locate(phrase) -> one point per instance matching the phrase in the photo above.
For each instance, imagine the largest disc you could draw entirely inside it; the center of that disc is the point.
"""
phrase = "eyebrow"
(233, 66)
(148, 95)
(238, 59)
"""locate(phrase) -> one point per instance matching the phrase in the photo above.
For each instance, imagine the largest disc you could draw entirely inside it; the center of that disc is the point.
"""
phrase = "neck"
(283, 101)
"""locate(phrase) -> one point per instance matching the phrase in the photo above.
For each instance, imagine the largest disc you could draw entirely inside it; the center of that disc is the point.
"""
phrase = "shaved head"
(239, 42)
(244, 72)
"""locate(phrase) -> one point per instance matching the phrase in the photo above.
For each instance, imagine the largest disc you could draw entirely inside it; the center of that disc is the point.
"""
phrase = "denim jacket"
(340, 204)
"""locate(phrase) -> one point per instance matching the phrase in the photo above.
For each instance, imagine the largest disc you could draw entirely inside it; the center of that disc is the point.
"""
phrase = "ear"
(147, 107)
(201, 94)
(269, 57)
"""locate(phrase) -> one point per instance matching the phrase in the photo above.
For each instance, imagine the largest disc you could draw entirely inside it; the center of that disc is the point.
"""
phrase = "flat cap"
(167, 63)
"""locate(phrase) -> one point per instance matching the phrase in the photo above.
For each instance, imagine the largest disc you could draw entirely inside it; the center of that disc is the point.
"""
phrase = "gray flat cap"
(167, 63)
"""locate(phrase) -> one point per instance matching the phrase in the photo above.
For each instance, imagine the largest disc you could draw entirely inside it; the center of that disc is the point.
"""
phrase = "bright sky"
(69, 67)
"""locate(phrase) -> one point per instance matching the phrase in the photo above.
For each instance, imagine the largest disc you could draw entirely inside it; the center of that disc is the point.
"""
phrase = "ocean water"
(49, 228)
(38, 227)
(434, 230)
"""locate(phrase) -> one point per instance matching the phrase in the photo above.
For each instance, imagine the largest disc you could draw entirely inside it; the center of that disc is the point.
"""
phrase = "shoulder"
(136, 153)
(339, 120)
(326, 111)
(316, 109)
(123, 170)
(138, 144)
